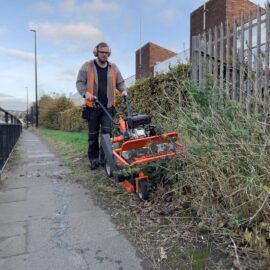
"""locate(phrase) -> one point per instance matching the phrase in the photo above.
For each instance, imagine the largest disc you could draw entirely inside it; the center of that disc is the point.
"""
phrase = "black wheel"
(108, 168)
(143, 190)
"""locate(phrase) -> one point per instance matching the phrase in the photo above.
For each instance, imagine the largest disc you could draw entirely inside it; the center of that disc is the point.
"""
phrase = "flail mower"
(134, 143)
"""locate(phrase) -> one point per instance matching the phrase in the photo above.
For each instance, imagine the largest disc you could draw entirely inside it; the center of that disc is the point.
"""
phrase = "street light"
(35, 32)
(26, 107)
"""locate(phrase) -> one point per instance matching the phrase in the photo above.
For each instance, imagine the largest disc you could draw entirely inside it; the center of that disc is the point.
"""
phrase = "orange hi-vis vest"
(91, 80)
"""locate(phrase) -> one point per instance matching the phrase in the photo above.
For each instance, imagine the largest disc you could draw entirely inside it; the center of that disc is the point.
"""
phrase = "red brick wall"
(151, 54)
(219, 11)
(142, 70)
(234, 8)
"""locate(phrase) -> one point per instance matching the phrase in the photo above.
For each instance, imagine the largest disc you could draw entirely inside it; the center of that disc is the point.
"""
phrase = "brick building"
(148, 56)
(218, 11)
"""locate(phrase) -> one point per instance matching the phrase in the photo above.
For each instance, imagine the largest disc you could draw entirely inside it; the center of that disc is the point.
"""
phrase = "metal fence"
(10, 130)
(237, 58)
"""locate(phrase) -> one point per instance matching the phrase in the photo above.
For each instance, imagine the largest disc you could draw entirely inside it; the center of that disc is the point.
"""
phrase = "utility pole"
(26, 107)
(36, 90)
(140, 42)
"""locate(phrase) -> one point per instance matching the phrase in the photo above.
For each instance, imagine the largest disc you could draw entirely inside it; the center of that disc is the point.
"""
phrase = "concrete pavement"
(48, 223)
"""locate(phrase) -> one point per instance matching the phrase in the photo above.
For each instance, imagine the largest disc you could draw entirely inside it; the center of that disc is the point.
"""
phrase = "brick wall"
(151, 54)
(219, 11)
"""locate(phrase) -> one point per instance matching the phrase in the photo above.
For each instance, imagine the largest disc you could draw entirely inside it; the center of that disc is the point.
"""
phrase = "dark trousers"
(98, 121)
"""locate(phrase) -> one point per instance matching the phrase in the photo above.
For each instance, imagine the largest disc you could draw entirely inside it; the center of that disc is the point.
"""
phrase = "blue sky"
(68, 30)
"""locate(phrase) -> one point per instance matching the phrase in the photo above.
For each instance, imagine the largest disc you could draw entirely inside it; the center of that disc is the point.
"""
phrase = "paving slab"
(49, 223)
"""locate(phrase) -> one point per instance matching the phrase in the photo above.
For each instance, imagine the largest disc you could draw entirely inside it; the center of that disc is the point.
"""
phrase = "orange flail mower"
(136, 143)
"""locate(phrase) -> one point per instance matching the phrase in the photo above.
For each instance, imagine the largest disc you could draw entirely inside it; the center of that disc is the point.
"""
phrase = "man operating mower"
(101, 79)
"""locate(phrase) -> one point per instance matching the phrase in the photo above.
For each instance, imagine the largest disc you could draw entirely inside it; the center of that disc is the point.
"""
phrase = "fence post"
(249, 87)
(194, 59)
(215, 57)
(241, 56)
(200, 61)
(210, 68)
(228, 57)
(267, 58)
(221, 81)
(205, 70)
(258, 63)
(234, 54)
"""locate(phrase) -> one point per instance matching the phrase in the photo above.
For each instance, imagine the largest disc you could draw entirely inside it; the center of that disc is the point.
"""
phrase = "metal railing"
(10, 130)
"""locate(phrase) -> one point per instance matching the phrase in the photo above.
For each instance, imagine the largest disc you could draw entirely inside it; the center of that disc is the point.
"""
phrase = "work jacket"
(87, 81)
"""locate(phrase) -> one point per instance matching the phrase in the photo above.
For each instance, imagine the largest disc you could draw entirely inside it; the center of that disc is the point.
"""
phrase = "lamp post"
(35, 32)
(26, 107)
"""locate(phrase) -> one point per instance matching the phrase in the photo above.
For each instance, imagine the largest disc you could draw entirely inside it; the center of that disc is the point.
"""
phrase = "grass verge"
(163, 231)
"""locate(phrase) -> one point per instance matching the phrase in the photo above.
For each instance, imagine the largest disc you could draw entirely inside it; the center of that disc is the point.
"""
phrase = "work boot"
(102, 162)
(94, 164)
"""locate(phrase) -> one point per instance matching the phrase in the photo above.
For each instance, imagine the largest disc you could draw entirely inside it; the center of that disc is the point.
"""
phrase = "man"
(102, 79)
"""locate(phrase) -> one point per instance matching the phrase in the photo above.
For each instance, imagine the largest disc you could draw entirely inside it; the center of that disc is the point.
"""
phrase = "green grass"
(78, 140)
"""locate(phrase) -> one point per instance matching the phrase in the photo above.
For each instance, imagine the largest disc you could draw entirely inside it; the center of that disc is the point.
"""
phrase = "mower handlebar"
(128, 106)
(96, 101)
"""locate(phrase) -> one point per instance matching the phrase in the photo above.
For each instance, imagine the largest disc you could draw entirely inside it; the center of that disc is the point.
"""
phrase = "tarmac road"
(49, 223)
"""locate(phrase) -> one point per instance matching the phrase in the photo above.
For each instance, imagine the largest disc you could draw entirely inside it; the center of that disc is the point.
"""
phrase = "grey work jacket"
(84, 76)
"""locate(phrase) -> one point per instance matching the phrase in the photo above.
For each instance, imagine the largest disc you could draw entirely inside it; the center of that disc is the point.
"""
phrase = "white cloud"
(71, 6)
(170, 16)
(26, 56)
(72, 38)
(44, 7)
(98, 6)
(63, 32)
(155, 2)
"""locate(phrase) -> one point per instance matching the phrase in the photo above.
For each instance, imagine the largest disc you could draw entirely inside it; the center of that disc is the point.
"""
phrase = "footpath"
(49, 223)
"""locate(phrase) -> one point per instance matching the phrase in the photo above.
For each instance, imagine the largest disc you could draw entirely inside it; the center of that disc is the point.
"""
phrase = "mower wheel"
(143, 190)
(108, 168)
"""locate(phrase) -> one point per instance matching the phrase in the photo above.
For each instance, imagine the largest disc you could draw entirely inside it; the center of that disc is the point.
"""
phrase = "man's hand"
(124, 93)
(89, 96)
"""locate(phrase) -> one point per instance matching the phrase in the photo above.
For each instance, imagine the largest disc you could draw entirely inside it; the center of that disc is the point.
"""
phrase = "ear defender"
(95, 51)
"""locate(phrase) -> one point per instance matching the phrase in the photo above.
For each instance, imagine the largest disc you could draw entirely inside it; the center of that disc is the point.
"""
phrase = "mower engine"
(139, 126)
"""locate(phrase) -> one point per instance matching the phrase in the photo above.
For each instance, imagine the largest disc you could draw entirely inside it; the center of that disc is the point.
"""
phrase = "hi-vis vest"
(91, 81)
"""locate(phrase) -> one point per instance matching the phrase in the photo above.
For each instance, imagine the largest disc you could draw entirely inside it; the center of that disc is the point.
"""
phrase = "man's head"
(102, 51)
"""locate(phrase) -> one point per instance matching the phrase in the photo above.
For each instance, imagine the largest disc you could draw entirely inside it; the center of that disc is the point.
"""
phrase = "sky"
(68, 30)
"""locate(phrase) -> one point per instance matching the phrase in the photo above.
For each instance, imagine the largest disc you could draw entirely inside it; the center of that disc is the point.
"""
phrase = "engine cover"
(137, 120)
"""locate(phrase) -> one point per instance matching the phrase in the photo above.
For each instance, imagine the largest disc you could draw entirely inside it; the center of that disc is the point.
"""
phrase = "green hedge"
(71, 120)
(151, 94)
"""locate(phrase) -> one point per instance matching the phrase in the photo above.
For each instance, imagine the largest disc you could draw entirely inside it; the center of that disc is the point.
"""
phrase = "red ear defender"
(95, 51)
